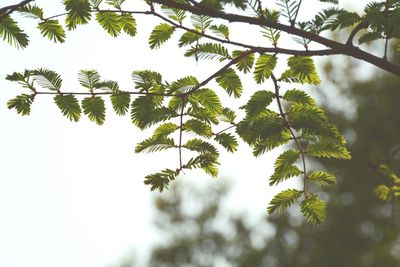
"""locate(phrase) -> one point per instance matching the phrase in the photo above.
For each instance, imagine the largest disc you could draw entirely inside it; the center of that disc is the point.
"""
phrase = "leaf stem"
(294, 137)
(181, 132)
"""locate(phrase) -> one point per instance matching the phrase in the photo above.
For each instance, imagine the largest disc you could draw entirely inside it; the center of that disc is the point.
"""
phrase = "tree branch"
(338, 47)
(7, 10)
(258, 49)
(359, 27)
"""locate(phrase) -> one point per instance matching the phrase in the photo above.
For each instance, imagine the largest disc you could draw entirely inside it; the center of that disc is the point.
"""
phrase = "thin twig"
(181, 132)
(359, 27)
(293, 23)
(224, 130)
(294, 137)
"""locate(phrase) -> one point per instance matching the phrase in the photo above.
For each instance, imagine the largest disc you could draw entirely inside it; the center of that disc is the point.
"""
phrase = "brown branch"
(359, 27)
(258, 49)
(338, 47)
(7, 10)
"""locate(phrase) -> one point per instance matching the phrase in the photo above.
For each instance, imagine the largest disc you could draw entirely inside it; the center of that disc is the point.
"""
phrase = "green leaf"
(22, 104)
(245, 64)
(78, 13)
(116, 3)
(174, 13)
(160, 34)
(31, 11)
(96, 3)
(265, 64)
(383, 192)
(284, 168)
(198, 127)
(200, 22)
(322, 178)
(109, 86)
(220, 30)
(47, 79)
(330, 1)
(258, 102)
(314, 209)
(263, 126)
(52, 30)
(283, 200)
(183, 85)
(144, 113)
(201, 146)
(369, 37)
(325, 149)
(344, 19)
(146, 79)
(161, 180)
(128, 24)
(120, 102)
(209, 51)
(202, 114)
(23, 79)
(311, 119)
(89, 79)
(228, 115)
(387, 172)
(228, 141)
(188, 38)
(271, 34)
(95, 109)
(164, 130)
(296, 96)
(11, 33)
(155, 144)
(301, 70)
(110, 21)
(207, 162)
(208, 99)
(19, 77)
(69, 106)
(260, 146)
(230, 82)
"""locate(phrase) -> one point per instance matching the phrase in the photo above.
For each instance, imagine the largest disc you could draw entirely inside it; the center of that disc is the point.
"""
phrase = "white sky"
(72, 194)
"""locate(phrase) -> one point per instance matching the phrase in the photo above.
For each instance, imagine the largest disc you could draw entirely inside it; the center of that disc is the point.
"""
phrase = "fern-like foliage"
(389, 190)
(78, 13)
(22, 104)
(69, 106)
(187, 115)
(314, 209)
(264, 66)
(283, 200)
(11, 33)
(160, 35)
(209, 51)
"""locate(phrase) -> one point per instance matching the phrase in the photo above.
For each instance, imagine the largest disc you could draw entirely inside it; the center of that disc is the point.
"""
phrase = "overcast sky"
(72, 194)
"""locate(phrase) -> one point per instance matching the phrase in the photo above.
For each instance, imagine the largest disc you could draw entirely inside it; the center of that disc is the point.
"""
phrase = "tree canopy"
(189, 116)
